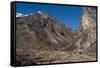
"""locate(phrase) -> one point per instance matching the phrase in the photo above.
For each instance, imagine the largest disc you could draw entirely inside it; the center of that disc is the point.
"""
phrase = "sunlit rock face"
(88, 19)
(87, 29)
(85, 20)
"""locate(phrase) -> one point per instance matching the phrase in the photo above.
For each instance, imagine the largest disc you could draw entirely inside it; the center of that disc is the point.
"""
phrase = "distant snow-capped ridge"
(19, 15)
(22, 15)
(39, 12)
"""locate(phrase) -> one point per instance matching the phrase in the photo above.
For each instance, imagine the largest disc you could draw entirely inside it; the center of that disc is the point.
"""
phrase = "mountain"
(87, 31)
(41, 31)
(41, 39)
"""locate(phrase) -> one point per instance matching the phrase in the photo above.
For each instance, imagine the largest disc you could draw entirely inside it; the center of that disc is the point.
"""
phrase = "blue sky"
(70, 16)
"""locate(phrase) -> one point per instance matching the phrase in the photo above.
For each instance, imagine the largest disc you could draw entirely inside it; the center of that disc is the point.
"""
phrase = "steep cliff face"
(87, 30)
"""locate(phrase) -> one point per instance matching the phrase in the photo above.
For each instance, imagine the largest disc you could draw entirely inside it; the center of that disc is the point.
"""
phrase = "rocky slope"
(41, 39)
(87, 30)
(41, 31)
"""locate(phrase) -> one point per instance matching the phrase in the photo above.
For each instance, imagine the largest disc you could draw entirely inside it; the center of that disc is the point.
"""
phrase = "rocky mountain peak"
(44, 27)
(89, 18)
(87, 29)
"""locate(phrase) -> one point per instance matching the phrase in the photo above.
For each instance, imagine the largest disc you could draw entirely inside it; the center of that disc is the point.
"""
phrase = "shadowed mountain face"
(40, 39)
(42, 31)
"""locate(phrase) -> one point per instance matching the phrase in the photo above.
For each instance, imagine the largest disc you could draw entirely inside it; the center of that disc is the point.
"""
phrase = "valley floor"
(32, 57)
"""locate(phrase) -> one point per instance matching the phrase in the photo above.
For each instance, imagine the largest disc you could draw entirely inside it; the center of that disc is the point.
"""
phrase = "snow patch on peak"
(39, 12)
(19, 15)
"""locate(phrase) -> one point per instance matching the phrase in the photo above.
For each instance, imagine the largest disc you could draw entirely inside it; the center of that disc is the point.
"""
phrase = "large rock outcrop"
(87, 30)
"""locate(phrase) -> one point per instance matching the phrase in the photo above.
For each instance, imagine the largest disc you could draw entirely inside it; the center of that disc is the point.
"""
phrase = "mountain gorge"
(41, 39)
